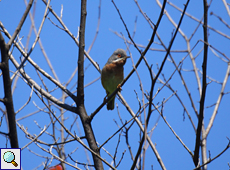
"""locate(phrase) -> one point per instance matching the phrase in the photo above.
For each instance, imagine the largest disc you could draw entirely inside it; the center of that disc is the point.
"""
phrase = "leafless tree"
(181, 73)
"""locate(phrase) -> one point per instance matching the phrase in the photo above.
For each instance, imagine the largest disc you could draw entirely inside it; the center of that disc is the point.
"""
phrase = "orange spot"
(57, 167)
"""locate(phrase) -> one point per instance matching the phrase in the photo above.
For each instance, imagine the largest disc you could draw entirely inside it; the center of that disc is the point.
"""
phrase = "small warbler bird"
(113, 74)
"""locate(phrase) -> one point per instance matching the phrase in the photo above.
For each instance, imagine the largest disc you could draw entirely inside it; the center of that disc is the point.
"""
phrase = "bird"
(112, 74)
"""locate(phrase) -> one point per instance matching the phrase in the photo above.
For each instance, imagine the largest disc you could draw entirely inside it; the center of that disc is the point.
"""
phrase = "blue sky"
(63, 53)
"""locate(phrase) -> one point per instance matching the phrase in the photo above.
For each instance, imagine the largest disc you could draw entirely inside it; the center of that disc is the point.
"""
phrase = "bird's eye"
(119, 55)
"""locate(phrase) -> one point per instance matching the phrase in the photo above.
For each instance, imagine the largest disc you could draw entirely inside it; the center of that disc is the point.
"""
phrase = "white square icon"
(10, 158)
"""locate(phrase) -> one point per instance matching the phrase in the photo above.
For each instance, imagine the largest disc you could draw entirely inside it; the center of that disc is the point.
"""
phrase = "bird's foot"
(119, 87)
(105, 99)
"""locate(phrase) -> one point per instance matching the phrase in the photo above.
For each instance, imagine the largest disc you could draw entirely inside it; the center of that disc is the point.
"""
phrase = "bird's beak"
(123, 58)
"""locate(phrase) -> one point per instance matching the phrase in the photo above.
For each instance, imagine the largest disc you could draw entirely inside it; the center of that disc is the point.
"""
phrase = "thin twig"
(210, 160)
(20, 23)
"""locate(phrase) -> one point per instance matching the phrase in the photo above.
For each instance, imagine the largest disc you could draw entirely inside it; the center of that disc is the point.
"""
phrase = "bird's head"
(118, 57)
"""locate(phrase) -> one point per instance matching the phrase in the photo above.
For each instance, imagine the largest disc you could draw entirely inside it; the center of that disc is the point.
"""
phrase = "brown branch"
(204, 85)
(8, 99)
(80, 92)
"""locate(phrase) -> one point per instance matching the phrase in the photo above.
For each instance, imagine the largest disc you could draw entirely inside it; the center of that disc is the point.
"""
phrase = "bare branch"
(37, 37)
(98, 24)
(72, 36)
(227, 7)
(197, 20)
(20, 24)
(8, 98)
(210, 124)
(31, 82)
(204, 85)
(210, 160)
(31, 93)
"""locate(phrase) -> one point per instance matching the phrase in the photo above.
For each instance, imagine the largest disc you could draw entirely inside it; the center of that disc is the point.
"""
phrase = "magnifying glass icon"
(9, 157)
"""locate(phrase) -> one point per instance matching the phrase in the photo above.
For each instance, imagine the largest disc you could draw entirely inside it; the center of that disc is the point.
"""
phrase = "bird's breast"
(112, 75)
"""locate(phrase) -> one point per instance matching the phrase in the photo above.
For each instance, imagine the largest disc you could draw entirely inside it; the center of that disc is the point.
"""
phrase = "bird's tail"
(110, 104)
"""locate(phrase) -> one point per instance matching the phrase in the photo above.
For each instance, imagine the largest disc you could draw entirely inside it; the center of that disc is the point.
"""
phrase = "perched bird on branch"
(113, 74)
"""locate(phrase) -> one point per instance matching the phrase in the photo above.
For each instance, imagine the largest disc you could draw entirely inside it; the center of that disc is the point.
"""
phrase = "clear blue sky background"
(63, 53)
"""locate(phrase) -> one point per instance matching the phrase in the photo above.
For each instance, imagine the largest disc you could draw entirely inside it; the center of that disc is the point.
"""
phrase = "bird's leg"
(107, 94)
(119, 87)
(104, 99)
